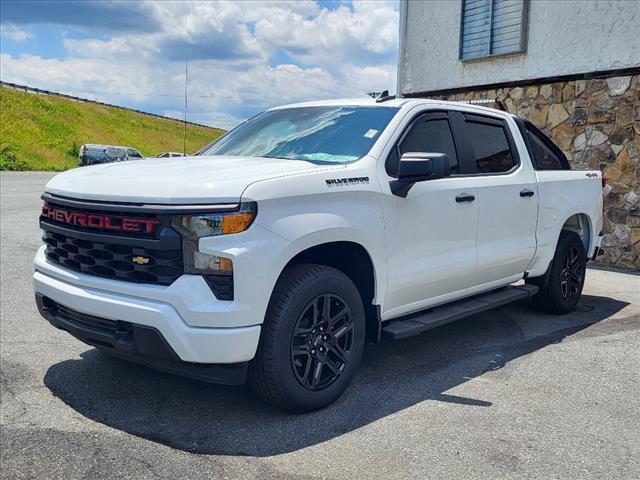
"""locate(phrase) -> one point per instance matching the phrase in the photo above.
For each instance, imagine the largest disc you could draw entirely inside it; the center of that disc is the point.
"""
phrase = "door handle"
(465, 197)
(527, 193)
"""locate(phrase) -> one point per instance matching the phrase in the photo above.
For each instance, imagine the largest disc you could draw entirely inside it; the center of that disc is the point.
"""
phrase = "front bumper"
(137, 343)
(193, 344)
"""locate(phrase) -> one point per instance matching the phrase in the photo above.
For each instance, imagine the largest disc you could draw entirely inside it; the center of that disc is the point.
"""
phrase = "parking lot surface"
(510, 393)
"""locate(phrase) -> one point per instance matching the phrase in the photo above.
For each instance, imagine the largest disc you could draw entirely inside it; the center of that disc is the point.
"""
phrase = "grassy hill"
(44, 132)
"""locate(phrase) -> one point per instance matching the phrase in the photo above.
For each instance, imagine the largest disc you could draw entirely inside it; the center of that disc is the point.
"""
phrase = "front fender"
(307, 211)
(342, 217)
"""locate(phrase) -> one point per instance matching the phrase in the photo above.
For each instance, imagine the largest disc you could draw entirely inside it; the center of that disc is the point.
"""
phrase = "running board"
(417, 323)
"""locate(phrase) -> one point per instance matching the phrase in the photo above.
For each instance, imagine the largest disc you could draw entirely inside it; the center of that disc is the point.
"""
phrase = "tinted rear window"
(546, 156)
(490, 147)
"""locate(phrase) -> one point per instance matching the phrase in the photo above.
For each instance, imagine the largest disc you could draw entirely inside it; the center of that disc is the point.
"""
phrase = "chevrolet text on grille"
(102, 222)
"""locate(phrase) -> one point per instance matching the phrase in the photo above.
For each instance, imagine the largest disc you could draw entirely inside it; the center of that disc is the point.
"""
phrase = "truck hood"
(174, 181)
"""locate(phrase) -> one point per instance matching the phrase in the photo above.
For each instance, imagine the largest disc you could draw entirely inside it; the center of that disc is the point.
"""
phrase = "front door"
(431, 234)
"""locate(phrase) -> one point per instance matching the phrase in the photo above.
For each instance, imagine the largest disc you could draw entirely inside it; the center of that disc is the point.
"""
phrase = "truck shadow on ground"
(202, 418)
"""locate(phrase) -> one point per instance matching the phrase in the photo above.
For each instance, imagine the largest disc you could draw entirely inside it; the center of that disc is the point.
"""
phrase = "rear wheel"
(566, 276)
(312, 339)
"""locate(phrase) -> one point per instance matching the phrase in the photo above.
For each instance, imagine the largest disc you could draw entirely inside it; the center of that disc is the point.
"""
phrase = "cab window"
(545, 155)
(429, 135)
(489, 147)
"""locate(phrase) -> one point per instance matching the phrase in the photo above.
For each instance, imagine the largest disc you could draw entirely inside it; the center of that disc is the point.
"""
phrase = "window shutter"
(506, 30)
(476, 28)
(492, 27)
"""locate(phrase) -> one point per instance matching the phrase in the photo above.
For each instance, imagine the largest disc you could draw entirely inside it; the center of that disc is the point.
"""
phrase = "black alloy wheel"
(321, 342)
(311, 341)
(572, 274)
(561, 287)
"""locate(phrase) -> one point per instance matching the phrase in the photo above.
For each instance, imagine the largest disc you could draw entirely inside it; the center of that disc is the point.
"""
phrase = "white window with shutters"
(493, 27)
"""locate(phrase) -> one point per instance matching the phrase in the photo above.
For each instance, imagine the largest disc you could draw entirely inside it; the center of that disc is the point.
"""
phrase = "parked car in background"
(171, 154)
(91, 154)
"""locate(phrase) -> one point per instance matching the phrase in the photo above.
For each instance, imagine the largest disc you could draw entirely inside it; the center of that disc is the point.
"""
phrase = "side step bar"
(417, 323)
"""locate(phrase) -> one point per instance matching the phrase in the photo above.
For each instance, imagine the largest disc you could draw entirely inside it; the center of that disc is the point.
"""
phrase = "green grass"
(44, 132)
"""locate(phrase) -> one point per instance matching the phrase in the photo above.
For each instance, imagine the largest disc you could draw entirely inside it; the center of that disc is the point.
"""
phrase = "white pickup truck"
(276, 252)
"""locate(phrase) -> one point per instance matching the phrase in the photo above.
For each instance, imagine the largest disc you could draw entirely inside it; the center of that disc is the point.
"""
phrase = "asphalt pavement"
(510, 393)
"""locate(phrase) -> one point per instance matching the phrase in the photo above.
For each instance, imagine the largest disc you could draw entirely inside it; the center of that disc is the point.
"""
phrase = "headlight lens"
(211, 224)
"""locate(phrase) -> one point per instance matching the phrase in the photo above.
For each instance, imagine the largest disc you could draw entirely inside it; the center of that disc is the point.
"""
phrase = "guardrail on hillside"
(40, 91)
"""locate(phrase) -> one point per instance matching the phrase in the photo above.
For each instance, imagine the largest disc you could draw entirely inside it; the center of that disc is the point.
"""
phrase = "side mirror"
(418, 167)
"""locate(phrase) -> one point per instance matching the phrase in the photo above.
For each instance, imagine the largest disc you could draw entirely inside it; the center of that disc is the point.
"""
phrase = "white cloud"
(256, 10)
(366, 34)
(77, 73)
(231, 47)
(14, 33)
(102, 49)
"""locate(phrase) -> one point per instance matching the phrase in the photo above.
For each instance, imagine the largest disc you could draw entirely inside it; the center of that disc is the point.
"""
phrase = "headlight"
(211, 224)
(217, 270)
(196, 226)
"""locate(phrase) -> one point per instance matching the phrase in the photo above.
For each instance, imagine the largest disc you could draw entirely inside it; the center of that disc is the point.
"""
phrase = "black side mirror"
(418, 167)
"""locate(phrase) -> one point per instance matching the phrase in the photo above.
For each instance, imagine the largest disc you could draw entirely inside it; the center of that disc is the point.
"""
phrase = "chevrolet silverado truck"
(275, 253)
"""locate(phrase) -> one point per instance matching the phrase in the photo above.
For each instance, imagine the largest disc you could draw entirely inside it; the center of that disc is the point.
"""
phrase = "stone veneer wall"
(596, 122)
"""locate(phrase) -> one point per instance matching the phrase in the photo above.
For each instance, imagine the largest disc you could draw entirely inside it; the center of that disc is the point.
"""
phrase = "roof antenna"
(384, 96)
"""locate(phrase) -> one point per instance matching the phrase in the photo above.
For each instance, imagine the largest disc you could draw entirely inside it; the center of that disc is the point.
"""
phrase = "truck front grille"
(116, 261)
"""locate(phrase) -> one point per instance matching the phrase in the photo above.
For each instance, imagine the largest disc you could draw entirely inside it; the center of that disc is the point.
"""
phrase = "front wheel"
(312, 339)
(566, 276)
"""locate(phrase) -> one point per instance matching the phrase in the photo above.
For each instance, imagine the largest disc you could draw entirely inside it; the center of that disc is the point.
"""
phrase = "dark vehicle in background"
(91, 154)
(171, 154)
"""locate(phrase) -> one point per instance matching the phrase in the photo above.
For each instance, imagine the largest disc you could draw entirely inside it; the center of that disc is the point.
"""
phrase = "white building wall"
(564, 37)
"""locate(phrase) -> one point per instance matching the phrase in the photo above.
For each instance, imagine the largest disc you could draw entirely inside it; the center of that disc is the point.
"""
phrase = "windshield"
(315, 134)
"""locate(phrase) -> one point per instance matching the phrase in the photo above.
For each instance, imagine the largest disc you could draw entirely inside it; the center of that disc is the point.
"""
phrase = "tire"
(285, 371)
(566, 276)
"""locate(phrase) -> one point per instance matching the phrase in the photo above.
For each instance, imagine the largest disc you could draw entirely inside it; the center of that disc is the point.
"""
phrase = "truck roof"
(393, 102)
(360, 102)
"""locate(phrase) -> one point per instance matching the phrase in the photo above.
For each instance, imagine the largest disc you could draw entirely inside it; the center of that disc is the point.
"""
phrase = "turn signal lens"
(237, 222)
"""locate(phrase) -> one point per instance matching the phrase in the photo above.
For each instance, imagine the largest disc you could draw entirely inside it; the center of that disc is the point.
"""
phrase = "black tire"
(292, 342)
(566, 276)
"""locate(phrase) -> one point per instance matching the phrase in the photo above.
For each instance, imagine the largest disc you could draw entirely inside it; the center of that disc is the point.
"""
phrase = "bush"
(9, 161)
(74, 150)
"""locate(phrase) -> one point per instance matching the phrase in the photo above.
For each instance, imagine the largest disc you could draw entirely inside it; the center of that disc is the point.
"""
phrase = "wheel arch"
(352, 259)
(580, 223)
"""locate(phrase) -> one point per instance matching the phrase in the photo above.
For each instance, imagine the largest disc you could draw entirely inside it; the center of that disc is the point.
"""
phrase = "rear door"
(507, 196)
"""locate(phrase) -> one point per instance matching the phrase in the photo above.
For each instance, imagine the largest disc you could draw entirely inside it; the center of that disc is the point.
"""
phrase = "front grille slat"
(103, 325)
(114, 261)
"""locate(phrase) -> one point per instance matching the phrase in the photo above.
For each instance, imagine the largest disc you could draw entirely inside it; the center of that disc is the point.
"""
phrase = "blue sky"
(243, 56)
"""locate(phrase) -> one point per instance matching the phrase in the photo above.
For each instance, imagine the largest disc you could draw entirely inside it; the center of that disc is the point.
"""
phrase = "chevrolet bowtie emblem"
(140, 260)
